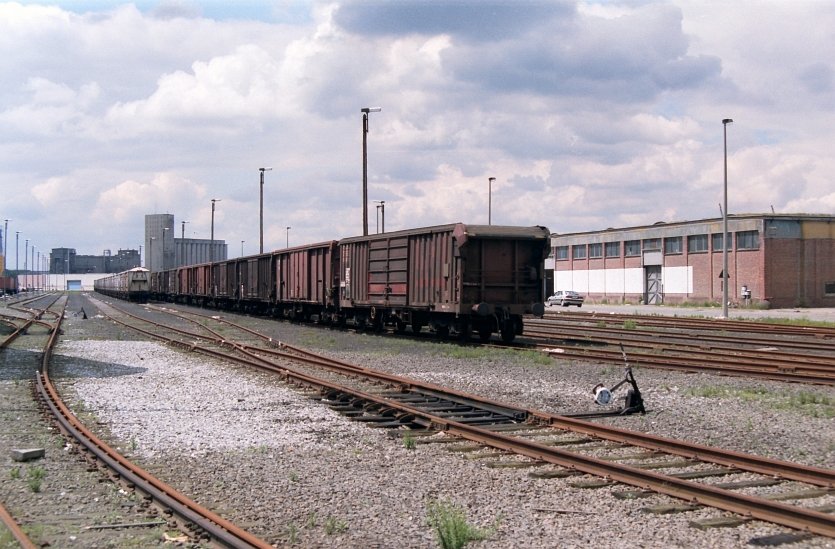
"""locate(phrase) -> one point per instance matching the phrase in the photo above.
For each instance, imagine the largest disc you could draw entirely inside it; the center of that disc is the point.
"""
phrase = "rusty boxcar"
(462, 278)
(8, 285)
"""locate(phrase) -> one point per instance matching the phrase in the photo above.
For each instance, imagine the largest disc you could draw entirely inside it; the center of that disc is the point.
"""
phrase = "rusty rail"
(219, 528)
(751, 506)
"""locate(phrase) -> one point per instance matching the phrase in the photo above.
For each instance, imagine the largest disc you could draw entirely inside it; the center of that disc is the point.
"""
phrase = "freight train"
(456, 278)
(132, 285)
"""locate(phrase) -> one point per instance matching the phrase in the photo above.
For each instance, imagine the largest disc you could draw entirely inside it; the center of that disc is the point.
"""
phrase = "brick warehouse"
(776, 260)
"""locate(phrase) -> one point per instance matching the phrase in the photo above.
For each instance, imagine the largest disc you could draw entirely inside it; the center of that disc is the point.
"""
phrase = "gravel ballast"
(294, 472)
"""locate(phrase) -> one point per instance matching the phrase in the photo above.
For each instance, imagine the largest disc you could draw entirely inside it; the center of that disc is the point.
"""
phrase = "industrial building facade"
(776, 260)
(164, 251)
(66, 260)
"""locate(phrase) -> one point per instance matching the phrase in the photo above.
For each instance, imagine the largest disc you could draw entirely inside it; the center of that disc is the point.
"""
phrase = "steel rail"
(702, 323)
(691, 365)
(751, 506)
(722, 354)
(216, 526)
(17, 532)
(701, 340)
(775, 360)
(757, 464)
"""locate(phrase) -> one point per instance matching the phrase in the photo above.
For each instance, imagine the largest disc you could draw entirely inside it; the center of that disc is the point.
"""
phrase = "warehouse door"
(653, 294)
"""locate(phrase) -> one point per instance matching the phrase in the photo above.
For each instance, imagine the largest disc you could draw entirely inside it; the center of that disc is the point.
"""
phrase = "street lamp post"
(725, 123)
(490, 200)
(6, 245)
(261, 210)
(16, 250)
(26, 256)
(163, 247)
(183, 233)
(287, 241)
(151, 253)
(242, 248)
(381, 212)
(212, 246)
(365, 111)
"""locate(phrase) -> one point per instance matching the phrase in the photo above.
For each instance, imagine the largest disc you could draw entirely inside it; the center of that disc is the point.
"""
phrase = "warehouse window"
(578, 251)
(672, 245)
(697, 243)
(596, 250)
(652, 244)
(748, 240)
(829, 288)
(632, 248)
(613, 249)
(717, 242)
(561, 252)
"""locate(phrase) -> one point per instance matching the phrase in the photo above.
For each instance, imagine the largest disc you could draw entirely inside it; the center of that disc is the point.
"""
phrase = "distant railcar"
(8, 285)
(132, 285)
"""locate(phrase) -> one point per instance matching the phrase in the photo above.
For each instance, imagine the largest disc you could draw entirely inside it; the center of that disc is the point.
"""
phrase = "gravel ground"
(58, 499)
(296, 473)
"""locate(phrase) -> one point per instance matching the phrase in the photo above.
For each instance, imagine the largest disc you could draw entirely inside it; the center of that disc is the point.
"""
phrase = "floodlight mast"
(365, 111)
(725, 123)
(261, 209)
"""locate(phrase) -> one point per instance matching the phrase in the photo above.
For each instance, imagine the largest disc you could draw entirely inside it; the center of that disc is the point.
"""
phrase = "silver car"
(566, 298)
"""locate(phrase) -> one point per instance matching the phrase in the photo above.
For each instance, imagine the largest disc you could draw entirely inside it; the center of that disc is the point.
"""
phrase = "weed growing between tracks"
(36, 476)
(335, 525)
(804, 402)
(409, 442)
(795, 322)
(451, 526)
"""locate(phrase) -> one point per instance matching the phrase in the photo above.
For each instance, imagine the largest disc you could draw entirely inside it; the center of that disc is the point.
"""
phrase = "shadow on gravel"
(19, 365)
(74, 367)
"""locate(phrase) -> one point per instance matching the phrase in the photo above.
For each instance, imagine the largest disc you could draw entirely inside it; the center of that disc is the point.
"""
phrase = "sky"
(589, 114)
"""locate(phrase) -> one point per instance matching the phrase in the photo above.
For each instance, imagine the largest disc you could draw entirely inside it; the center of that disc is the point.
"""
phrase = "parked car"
(566, 298)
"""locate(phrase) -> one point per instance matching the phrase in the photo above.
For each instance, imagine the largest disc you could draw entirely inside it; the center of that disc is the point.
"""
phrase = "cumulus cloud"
(588, 114)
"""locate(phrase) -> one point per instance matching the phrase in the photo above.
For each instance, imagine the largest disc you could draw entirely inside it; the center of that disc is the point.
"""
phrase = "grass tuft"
(451, 526)
(334, 525)
(409, 441)
(36, 476)
(805, 402)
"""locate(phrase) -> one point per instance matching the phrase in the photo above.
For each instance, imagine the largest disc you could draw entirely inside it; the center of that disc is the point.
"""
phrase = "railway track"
(665, 344)
(564, 446)
(695, 323)
(194, 518)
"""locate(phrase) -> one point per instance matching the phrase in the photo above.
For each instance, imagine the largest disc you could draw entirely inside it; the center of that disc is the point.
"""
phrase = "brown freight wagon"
(462, 278)
(8, 284)
(306, 281)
